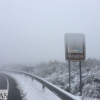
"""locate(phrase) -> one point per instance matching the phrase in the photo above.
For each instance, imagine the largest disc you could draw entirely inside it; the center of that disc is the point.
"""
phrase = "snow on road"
(32, 90)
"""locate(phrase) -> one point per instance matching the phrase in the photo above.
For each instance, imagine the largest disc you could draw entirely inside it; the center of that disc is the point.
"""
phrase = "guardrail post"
(32, 79)
(25, 74)
(27, 69)
(43, 87)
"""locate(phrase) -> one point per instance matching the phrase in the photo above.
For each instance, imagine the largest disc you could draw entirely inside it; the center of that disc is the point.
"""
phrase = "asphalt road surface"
(3, 82)
(8, 83)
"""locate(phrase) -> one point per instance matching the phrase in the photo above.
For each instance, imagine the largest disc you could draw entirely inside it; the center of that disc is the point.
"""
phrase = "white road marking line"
(5, 91)
(7, 82)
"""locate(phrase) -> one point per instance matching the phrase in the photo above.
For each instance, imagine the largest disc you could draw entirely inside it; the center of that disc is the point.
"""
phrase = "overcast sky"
(32, 31)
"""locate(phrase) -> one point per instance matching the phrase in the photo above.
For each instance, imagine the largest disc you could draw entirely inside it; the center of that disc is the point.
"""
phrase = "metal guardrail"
(59, 92)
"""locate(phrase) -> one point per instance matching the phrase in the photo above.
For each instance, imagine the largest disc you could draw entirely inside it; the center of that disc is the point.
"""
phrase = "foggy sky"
(32, 31)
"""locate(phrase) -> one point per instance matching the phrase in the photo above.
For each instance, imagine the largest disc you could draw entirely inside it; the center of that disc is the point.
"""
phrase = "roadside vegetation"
(57, 73)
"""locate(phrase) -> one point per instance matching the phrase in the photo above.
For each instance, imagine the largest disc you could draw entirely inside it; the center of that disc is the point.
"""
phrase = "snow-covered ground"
(32, 90)
(57, 73)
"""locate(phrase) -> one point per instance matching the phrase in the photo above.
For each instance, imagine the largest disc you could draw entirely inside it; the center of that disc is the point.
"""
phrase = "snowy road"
(32, 90)
(9, 85)
(3, 82)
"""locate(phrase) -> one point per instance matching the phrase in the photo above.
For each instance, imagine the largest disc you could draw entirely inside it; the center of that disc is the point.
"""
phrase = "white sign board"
(74, 46)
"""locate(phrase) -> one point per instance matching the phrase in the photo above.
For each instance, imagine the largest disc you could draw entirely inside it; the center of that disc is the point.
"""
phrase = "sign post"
(75, 51)
(69, 79)
(80, 78)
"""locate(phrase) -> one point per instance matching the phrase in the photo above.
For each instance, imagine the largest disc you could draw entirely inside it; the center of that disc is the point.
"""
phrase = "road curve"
(13, 92)
(3, 82)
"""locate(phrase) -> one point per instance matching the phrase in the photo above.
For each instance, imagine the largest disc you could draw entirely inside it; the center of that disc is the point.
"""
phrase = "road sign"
(74, 47)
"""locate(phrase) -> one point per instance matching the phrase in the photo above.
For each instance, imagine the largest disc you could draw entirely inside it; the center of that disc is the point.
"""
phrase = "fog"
(32, 31)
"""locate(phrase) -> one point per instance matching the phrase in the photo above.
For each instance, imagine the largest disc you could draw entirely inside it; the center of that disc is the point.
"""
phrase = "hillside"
(57, 73)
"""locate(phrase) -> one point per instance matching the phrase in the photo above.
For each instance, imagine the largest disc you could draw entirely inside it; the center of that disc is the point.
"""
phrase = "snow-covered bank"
(32, 90)
(58, 73)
